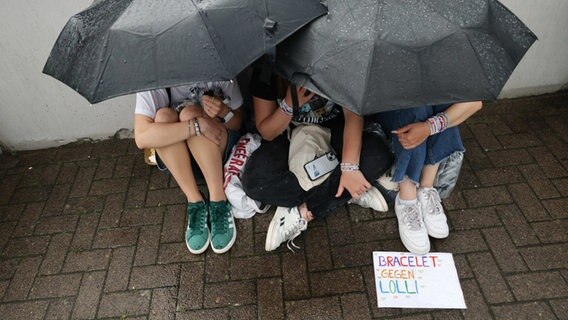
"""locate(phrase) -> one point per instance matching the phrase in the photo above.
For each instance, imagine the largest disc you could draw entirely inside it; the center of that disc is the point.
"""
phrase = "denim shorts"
(409, 163)
(232, 139)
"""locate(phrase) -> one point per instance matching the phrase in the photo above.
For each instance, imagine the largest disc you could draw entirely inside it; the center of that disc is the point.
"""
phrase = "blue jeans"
(409, 163)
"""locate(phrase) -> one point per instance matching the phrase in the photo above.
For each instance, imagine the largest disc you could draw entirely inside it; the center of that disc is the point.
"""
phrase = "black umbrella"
(117, 47)
(377, 55)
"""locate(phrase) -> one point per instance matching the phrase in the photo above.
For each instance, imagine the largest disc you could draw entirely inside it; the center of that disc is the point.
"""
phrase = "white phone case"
(321, 165)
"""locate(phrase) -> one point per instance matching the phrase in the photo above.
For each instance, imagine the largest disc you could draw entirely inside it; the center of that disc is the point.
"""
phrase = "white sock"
(407, 202)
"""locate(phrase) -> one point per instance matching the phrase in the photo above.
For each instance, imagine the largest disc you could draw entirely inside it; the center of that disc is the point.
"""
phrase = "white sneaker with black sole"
(433, 212)
(411, 227)
(286, 225)
(372, 198)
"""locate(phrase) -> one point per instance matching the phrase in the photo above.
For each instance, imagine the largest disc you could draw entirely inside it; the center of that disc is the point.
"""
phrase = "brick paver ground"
(90, 231)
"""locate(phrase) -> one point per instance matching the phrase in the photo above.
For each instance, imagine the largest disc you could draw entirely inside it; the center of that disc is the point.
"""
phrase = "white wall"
(37, 111)
(544, 68)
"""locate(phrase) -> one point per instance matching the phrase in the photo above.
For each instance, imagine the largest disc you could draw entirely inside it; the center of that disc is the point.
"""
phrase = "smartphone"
(321, 165)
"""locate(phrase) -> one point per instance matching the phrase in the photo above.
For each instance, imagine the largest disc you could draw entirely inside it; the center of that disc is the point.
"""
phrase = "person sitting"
(188, 125)
(423, 137)
(268, 179)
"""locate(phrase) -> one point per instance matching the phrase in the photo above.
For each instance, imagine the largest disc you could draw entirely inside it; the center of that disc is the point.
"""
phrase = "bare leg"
(407, 189)
(177, 158)
(305, 213)
(429, 175)
(208, 156)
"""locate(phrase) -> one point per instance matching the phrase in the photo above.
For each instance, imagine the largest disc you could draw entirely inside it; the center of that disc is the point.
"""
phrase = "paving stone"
(560, 308)
(55, 286)
(244, 246)
(190, 294)
(56, 252)
(528, 203)
(20, 247)
(546, 257)
(476, 306)
(336, 282)
(336, 228)
(82, 182)
(511, 157)
(243, 313)
(485, 137)
(499, 176)
(124, 304)
(105, 169)
(548, 163)
(534, 286)
(67, 173)
(146, 277)
(174, 224)
(7, 187)
(87, 260)
(56, 224)
(31, 194)
(210, 314)
(255, 267)
(144, 216)
(531, 310)
(462, 242)
(488, 276)
(176, 252)
(112, 238)
(60, 309)
(85, 232)
(88, 296)
(475, 218)
(234, 293)
(270, 299)
(11, 212)
(489, 196)
(462, 266)
(23, 279)
(136, 195)
(295, 276)
(562, 185)
(28, 220)
(147, 250)
(375, 230)
(557, 208)
(164, 197)
(539, 183)
(355, 306)
(317, 249)
(31, 310)
(163, 304)
(506, 254)
(84, 205)
(550, 231)
(119, 269)
(316, 308)
(110, 186)
(5, 232)
(520, 231)
(8, 267)
(55, 204)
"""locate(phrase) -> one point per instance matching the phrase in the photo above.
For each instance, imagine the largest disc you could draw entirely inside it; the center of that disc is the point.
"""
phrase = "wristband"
(348, 167)
(289, 111)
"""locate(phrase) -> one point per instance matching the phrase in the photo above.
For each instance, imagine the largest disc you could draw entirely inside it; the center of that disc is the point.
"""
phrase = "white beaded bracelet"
(348, 167)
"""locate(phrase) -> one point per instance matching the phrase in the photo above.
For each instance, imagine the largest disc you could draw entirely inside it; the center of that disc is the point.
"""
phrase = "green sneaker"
(197, 235)
(223, 232)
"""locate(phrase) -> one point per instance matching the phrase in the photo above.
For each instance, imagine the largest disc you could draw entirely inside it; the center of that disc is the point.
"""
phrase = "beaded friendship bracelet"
(348, 167)
(289, 111)
(196, 127)
(438, 123)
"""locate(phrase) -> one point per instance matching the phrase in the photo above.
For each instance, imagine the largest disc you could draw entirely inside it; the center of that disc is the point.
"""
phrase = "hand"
(213, 106)
(354, 182)
(304, 95)
(211, 129)
(412, 135)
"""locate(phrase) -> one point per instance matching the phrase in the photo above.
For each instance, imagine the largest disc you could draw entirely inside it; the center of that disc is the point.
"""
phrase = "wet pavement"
(88, 230)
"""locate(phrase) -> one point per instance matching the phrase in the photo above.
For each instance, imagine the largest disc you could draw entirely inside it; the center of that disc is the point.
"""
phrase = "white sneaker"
(372, 198)
(411, 227)
(434, 217)
(386, 180)
(286, 225)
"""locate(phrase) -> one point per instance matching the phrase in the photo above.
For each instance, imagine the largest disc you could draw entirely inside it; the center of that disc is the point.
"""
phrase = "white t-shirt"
(149, 102)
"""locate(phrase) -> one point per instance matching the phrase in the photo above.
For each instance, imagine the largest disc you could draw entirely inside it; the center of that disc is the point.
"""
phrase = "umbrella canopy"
(117, 47)
(378, 55)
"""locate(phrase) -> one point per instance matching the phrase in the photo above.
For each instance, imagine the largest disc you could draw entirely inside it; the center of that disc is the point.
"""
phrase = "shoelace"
(412, 218)
(219, 220)
(433, 201)
(295, 231)
(197, 221)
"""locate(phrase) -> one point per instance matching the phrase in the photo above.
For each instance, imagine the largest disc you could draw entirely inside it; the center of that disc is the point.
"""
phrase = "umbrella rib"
(478, 61)
(210, 36)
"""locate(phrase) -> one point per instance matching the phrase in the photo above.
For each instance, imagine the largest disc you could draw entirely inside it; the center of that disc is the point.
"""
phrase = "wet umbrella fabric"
(378, 55)
(116, 47)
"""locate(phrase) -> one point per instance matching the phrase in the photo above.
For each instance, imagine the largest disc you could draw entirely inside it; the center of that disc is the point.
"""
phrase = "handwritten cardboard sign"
(406, 280)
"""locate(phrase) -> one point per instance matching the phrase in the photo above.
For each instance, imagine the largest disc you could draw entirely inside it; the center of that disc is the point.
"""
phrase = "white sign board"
(406, 280)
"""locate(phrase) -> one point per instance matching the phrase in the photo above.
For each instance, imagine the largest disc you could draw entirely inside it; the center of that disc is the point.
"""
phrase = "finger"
(339, 191)
(368, 185)
(403, 129)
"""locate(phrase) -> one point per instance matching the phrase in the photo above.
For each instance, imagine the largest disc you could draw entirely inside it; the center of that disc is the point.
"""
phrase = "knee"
(166, 115)
(190, 112)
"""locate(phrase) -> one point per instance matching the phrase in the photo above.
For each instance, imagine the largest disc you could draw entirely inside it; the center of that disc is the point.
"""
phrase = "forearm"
(157, 135)
(236, 121)
(459, 112)
(269, 119)
(352, 137)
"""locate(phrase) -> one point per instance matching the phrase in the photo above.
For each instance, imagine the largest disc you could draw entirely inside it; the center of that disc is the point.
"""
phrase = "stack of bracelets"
(286, 108)
(195, 125)
(348, 167)
(438, 123)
